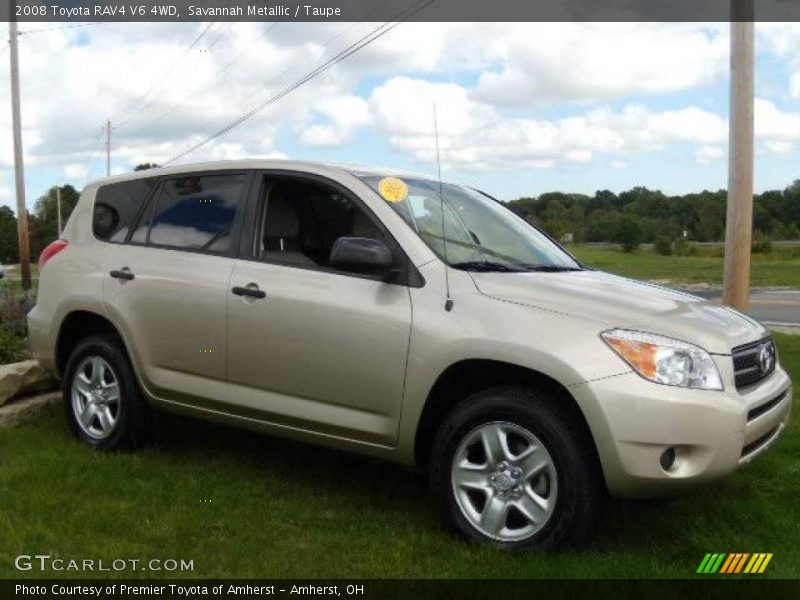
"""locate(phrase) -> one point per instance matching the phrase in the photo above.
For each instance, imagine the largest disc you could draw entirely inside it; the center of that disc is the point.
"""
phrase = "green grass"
(278, 509)
(779, 267)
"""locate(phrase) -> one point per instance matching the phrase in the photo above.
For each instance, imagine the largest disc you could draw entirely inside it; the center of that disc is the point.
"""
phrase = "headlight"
(664, 360)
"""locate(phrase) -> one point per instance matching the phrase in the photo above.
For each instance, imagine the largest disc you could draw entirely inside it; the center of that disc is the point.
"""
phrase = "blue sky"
(523, 108)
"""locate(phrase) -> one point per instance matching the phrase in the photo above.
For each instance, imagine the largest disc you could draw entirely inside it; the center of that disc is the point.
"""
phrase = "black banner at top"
(86, 11)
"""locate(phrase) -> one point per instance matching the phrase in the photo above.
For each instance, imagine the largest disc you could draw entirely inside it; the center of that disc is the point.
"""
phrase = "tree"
(44, 220)
(145, 166)
(9, 251)
(627, 232)
(700, 215)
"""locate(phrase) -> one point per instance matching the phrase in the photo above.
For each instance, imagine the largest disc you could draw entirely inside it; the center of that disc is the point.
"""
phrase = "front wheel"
(513, 467)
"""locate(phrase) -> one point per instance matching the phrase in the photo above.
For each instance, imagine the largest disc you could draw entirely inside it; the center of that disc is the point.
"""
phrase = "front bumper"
(634, 421)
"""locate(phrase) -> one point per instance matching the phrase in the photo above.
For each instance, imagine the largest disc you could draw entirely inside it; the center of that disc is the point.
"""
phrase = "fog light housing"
(667, 459)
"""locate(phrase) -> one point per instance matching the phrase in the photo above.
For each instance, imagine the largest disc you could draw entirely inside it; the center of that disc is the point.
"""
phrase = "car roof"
(262, 163)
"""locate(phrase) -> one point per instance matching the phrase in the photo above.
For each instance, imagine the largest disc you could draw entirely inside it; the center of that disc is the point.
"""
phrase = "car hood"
(619, 302)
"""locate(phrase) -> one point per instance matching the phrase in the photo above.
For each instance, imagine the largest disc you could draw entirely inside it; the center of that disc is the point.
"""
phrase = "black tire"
(133, 416)
(563, 435)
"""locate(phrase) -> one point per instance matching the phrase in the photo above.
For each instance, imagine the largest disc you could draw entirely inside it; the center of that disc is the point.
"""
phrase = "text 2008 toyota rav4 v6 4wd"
(384, 314)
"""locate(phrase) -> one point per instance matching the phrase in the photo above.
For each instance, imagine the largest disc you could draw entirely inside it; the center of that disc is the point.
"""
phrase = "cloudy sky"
(523, 108)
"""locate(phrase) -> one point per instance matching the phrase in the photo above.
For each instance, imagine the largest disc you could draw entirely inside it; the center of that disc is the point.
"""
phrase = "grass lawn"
(243, 505)
(779, 267)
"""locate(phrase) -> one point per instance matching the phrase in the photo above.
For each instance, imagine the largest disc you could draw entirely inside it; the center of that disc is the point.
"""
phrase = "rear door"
(316, 348)
(167, 284)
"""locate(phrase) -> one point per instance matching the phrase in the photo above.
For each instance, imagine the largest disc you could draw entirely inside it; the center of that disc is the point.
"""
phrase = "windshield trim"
(537, 228)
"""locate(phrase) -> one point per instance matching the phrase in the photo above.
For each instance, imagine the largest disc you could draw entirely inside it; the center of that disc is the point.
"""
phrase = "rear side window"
(197, 212)
(116, 208)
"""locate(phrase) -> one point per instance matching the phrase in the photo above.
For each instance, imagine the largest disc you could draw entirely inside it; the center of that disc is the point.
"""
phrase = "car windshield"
(481, 234)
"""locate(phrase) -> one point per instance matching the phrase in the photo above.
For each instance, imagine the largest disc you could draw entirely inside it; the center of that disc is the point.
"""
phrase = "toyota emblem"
(766, 358)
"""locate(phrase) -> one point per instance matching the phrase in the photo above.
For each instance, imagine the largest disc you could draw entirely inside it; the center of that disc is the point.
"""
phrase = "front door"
(319, 349)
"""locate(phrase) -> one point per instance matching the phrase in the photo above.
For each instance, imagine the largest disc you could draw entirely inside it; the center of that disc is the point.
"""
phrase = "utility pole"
(739, 222)
(19, 169)
(108, 148)
(58, 208)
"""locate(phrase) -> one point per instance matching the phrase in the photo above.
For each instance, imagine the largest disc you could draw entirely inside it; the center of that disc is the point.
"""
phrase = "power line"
(95, 148)
(172, 68)
(310, 75)
(141, 102)
(332, 39)
(291, 67)
(347, 52)
(233, 60)
(219, 72)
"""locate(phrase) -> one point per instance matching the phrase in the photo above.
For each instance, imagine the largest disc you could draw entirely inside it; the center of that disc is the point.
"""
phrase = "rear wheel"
(104, 405)
(512, 468)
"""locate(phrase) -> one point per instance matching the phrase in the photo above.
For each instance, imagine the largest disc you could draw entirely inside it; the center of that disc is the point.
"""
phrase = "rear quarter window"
(116, 207)
(197, 212)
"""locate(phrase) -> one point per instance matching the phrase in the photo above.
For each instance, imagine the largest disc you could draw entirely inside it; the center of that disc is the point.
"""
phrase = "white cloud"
(588, 62)
(76, 172)
(777, 130)
(708, 154)
(344, 115)
(6, 198)
(794, 86)
(475, 135)
(782, 40)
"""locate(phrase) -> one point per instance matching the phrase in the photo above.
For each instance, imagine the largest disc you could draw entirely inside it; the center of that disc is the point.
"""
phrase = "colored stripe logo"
(736, 562)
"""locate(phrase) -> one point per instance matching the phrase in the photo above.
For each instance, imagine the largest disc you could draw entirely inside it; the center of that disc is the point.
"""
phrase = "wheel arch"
(463, 378)
(78, 325)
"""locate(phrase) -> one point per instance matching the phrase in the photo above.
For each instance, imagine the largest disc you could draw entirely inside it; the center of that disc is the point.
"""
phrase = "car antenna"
(448, 304)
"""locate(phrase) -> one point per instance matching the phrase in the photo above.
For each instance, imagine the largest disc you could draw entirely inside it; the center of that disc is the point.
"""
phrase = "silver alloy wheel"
(96, 397)
(504, 481)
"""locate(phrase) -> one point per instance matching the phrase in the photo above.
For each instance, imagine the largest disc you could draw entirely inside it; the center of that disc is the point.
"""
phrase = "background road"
(778, 309)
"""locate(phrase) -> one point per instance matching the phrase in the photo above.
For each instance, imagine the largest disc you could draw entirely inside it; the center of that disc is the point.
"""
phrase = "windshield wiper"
(485, 266)
(552, 268)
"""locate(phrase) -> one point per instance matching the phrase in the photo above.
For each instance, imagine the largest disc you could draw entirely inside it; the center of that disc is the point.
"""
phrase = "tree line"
(642, 215)
(636, 216)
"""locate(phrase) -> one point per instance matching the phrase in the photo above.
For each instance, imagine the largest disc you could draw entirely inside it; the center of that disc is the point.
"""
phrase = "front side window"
(196, 212)
(302, 221)
(116, 207)
(469, 230)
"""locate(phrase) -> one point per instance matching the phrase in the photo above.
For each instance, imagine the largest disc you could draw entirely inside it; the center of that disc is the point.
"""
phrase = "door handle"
(123, 274)
(251, 292)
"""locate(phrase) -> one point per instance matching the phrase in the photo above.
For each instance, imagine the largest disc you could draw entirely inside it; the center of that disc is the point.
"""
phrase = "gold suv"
(399, 317)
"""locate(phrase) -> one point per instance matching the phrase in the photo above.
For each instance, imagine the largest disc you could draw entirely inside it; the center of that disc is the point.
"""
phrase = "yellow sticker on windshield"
(393, 189)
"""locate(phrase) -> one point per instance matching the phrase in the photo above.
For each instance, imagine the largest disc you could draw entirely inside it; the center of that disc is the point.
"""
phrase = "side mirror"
(361, 255)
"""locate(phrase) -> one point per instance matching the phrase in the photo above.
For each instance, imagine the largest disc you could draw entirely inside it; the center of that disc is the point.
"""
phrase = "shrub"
(12, 346)
(683, 248)
(762, 246)
(14, 308)
(627, 232)
(663, 245)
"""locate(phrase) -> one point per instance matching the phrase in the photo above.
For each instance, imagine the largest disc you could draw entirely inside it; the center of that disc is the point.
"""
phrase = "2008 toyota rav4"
(402, 318)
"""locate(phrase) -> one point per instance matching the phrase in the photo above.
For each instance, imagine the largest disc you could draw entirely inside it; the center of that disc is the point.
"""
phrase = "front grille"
(753, 362)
